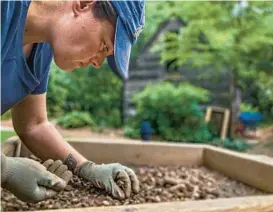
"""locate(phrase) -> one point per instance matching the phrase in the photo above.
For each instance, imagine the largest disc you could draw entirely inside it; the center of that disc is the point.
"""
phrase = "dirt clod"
(157, 184)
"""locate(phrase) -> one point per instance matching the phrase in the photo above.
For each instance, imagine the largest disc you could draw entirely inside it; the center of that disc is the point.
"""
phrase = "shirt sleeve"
(42, 87)
(10, 16)
(43, 69)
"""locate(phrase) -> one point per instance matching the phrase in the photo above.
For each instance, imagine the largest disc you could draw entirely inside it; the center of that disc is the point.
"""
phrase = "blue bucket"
(251, 119)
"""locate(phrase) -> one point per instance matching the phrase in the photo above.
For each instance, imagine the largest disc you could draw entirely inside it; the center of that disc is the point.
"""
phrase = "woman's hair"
(104, 10)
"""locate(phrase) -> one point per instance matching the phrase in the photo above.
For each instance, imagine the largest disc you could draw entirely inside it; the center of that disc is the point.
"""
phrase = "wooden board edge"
(140, 153)
(238, 204)
(131, 153)
(249, 169)
(136, 142)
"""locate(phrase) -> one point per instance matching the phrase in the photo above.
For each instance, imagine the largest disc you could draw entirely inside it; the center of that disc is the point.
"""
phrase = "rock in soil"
(157, 184)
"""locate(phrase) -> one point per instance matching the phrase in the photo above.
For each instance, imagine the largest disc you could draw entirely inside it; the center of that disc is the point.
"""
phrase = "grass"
(6, 115)
(269, 144)
(266, 124)
(6, 134)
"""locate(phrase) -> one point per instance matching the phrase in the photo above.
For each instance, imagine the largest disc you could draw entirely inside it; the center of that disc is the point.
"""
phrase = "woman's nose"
(97, 62)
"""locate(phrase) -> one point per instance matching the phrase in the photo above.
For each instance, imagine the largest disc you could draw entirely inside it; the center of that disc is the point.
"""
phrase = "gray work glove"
(115, 178)
(29, 180)
(58, 168)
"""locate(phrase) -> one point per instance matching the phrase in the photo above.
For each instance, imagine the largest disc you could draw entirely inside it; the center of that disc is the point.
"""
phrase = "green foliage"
(113, 119)
(237, 145)
(265, 96)
(155, 17)
(97, 92)
(131, 132)
(6, 115)
(172, 111)
(76, 119)
(269, 144)
(222, 35)
(244, 107)
(57, 91)
(6, 134)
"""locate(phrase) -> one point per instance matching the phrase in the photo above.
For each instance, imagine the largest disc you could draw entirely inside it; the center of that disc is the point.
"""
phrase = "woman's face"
(79, 39)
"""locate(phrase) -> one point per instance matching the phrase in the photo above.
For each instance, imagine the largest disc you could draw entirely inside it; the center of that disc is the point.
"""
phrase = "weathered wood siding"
(147, 69)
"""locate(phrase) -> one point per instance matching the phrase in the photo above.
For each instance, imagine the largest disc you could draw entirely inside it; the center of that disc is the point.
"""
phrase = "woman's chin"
(66, 68)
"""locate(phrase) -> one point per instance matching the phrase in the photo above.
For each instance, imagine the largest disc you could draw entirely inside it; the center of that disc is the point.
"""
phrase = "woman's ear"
(79, 6)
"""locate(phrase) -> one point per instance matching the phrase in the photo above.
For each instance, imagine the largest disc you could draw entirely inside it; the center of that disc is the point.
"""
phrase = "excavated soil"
(157, 184)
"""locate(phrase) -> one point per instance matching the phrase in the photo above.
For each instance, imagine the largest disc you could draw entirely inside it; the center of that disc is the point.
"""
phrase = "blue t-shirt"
(20, 76)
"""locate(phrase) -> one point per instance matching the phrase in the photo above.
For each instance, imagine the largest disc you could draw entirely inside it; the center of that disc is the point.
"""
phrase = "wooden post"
(225, 122)
(208, 114)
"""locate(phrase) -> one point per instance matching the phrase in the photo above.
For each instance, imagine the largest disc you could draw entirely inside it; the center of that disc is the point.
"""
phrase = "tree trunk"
(235, 101)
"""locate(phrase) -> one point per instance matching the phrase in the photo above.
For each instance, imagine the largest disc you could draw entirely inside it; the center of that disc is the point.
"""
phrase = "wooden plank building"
(146, 68)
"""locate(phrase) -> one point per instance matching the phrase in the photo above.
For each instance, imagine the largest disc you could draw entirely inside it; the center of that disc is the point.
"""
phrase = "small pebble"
(170, 180)
(159, 174)
(109, 198)
(50, 207)
(97, 202)
(68, 188)
(75, 200)
(105, 202)
(157, 199)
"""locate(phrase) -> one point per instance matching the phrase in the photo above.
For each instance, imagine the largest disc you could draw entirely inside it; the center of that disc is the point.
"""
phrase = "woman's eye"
(105, 48)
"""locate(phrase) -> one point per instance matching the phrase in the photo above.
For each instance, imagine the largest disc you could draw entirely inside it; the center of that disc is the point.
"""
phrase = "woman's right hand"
(31, 181)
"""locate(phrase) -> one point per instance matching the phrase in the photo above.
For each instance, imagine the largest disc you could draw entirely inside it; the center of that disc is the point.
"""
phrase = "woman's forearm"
(45, 142)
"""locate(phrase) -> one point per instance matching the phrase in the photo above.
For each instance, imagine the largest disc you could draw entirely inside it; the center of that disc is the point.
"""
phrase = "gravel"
(157, 184)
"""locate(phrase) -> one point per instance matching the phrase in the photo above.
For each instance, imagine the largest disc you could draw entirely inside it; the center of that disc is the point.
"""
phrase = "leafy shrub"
(266, 103)
(57, 91)
(262, 91)
(131, 132)
(97, 92)
(244, 107)
(172, 111)
(111, 120)
(76, 119)
(237, 145)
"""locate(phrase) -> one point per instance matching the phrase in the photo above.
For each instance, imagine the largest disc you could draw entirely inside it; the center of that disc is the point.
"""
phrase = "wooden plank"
(225, 124)
(239, 204)
(151, 57)
(145, 74)
(208, 114)
(243, 167)
(219, 102)
(226, 114)
(139, 153)
(256, 171)
(135, 85)
(150, 64)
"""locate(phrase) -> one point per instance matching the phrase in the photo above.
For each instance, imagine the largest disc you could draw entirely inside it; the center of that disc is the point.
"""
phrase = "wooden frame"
(239, 204)
(225, 122)
(254, 170)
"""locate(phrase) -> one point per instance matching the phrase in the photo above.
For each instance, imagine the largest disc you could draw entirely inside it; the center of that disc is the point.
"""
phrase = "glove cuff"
(4, 170)
(83, 169)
